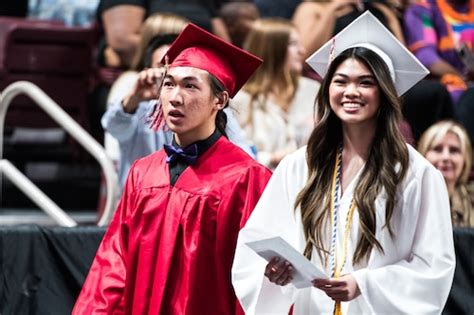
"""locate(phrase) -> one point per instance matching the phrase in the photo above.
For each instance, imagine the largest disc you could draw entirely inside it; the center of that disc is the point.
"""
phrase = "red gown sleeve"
(103, 289)
(234, 211)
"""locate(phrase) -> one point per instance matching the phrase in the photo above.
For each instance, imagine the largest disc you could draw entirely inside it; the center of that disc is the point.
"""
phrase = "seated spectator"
(126, 119)
(239, 16)
(72, 13)
(446, 145)
(272, 8)
(122, 21)
(441, 34)
(318, 21)
(275, 107)
(156, 24)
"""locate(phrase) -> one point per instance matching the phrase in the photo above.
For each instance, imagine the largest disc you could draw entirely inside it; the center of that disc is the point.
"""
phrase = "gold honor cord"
(335, 190)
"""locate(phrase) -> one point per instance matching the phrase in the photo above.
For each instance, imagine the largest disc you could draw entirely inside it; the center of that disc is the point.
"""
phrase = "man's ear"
(222, 100)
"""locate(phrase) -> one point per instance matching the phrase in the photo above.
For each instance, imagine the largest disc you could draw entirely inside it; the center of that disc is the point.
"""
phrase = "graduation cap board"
(367, 31)
(200, 49)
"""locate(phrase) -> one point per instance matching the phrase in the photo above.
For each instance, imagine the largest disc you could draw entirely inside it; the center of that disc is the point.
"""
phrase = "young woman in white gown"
(358, 202)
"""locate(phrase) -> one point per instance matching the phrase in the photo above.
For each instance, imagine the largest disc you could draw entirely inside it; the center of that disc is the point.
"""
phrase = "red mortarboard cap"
(200, 49)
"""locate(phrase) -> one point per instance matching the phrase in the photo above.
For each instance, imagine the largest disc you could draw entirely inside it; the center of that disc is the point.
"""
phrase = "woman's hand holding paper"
(344, 288)
(279, 271)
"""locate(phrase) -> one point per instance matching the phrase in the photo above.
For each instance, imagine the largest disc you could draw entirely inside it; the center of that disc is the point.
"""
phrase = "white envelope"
(304, 270)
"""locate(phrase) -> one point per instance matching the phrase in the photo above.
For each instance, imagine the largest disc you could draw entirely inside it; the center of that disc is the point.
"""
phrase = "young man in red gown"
(170, 245)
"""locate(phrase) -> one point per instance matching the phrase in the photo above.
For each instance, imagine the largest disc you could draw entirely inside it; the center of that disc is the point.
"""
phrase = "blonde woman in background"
(156, 24)
(447, 146)
(275, 107)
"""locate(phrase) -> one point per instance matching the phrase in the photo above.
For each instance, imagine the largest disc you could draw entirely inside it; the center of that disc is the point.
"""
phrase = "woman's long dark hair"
(384, 170)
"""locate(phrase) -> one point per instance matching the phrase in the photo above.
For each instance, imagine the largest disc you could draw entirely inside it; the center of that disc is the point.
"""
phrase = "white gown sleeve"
(274, 215)
(421, 283)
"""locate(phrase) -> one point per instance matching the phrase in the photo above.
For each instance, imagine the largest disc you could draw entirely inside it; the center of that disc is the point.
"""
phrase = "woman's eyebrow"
(364, 76)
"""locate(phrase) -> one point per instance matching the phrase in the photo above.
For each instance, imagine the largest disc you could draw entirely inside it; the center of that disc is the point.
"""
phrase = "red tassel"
(156, 118)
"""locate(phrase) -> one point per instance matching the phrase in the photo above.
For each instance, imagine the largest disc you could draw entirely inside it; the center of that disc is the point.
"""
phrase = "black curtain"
(42, 269)
(461, 297)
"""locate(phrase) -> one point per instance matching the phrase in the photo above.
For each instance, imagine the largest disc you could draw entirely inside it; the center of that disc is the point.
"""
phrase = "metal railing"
(76, 131)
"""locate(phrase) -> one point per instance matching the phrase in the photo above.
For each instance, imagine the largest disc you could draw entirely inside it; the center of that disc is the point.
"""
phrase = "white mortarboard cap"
(367, 31)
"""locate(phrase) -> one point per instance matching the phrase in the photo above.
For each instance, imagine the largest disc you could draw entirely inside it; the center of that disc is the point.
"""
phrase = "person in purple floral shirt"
(441, 35)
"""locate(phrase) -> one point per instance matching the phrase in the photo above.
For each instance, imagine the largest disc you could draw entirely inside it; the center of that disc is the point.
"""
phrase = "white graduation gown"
(414, 275)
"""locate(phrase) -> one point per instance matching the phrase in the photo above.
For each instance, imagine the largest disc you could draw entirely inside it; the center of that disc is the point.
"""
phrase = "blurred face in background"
(295, 53)
(239, 18)
(158, 55)
(447, 156)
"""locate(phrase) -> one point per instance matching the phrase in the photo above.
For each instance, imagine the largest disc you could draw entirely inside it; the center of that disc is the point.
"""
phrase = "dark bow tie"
(188, 154)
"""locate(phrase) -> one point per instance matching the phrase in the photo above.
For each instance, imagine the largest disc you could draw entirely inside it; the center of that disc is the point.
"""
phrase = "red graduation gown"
(169, 249)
